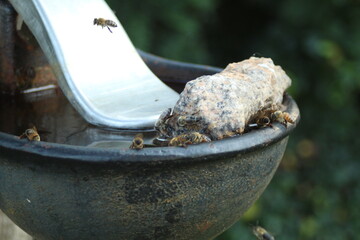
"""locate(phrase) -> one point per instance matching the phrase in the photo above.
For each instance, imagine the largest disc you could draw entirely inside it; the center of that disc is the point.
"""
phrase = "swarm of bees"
(31, 134)
(104, 23)
(262, 234)
(138, 142)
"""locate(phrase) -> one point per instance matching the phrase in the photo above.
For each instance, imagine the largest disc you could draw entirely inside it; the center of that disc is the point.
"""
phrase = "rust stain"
(204, 225)
(23, 65)
(7, 45)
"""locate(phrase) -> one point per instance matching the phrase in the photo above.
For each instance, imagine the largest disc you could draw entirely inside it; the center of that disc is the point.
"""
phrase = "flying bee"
(104, 23)
(262, 234)
(182, 121)
(281, 117)
(188, 138)
(162, 125)
(31, 134)
(138, 142)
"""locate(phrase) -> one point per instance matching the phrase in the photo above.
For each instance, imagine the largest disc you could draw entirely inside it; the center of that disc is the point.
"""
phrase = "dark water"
(57, 121)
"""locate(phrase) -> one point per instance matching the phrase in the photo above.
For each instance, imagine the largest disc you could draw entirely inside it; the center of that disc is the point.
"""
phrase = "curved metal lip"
(242, 144)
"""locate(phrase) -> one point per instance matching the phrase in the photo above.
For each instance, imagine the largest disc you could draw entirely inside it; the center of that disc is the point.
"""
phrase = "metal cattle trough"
(61, 191)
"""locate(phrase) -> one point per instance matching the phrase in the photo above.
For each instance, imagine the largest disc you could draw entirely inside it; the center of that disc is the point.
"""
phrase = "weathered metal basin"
(59, 191)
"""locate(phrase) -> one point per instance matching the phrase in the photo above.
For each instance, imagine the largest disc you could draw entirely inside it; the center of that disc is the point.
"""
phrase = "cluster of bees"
(192, 124)
(266, 118)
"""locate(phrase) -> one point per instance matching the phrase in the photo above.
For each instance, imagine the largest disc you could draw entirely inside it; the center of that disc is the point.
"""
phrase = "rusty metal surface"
(22, 62)
(191, 200)
(7, 45)
(32, 69)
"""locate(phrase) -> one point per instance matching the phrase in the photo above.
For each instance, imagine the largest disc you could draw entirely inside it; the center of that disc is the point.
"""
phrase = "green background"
(315, 193)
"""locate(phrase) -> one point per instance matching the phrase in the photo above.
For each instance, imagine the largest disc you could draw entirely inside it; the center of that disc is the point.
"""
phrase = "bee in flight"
(262, 234)
(104, 23)
(31, 134)
(138, 142)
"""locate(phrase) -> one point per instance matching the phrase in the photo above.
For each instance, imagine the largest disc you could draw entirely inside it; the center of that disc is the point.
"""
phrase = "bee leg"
(22, 136)
(252, 125)
(109, 29)
(184, 144)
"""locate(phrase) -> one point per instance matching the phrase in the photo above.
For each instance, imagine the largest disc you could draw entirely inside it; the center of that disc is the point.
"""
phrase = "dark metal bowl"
(58, 191)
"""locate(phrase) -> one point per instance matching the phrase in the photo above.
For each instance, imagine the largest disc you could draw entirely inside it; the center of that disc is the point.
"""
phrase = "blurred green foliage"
(315, 194)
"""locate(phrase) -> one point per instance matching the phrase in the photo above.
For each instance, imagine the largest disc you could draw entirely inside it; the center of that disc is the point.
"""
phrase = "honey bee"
(31, 134)
(263, 121)
(138, 142)
(188, 120)
(188, 138)
(262, 234)
(104, 23)
(161, 124)
(281, 117)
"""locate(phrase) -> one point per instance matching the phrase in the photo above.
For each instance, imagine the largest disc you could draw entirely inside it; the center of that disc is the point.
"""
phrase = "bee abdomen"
(263, 121)
(110, 23)
(288, 118)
